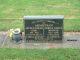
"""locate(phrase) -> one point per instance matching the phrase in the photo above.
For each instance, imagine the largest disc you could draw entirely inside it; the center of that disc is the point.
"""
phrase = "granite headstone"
(44, 27)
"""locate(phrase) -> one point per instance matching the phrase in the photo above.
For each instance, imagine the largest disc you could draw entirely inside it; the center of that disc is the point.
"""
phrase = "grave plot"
(6, 42)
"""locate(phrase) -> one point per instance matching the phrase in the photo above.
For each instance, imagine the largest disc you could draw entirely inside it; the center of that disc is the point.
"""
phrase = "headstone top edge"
(44, 17)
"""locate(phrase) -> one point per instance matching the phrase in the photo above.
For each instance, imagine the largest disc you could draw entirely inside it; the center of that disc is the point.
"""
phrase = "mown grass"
(39, 54)
(18, 9)
(69, 24)
(72, 25)
(11, 23)
(14, 9)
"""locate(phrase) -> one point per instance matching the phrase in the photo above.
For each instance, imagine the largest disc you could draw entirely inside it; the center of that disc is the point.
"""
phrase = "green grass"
(17, 9)
(11, 23)
(39, 54)
(69, 24)
(72, 25)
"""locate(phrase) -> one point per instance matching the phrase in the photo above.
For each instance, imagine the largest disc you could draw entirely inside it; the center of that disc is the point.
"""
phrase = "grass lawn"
(39, 54)
(69, 24)
(14, 9)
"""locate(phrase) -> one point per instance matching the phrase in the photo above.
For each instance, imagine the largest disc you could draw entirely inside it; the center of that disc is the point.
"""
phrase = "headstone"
(44, 27)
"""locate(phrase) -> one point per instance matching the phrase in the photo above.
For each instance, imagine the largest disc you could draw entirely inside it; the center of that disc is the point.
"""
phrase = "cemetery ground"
(70, 40)
(11, 16)
(69, 24)
(66, 50)
(12, 12)
(39, 54)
